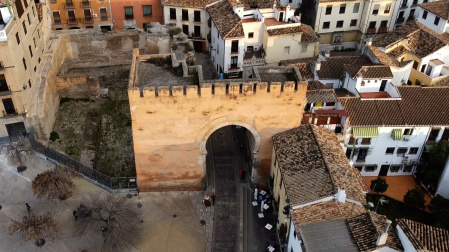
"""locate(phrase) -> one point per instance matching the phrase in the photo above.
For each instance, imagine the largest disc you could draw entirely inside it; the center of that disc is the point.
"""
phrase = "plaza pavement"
(161, 231)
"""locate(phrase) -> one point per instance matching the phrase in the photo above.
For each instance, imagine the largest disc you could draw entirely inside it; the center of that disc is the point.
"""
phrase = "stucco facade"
(138, 18)
(170, 151)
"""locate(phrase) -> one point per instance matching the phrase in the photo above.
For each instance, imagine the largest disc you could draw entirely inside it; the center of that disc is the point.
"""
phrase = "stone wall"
(171, 127)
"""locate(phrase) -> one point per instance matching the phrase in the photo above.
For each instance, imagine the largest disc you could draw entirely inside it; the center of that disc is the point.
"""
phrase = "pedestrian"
(261, 206)
(206, 200)
(241, 174)
(138, 191)
(28, 207)
(255, 193)
(75, 213)
(213, 197)
(260, 198)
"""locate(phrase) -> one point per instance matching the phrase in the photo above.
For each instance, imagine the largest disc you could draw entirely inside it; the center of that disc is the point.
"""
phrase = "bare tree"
(111, 218)
(55, 184)
(33, 226)
(17, 151)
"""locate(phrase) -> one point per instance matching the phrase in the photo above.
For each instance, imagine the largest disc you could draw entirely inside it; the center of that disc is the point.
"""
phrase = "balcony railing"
(10, 113)
(403, 6)
(234, 51)
(196, 35)
(371, 30)
(57, 21)
(88, 20)
(72, 21)
(69, 5)
(400, 20)
(253, 58)
(85, 4)
(233, 67)
(383, 29)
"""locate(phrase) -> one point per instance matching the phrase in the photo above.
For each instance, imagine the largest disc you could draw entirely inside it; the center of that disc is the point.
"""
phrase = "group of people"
(207, 200)
(262, 197)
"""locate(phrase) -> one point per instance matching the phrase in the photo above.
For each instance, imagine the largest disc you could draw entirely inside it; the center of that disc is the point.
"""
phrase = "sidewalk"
(170, 222)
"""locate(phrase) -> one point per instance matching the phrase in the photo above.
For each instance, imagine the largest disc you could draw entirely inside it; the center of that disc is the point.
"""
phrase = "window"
(358, 167)
(24, 63)
(415, 64)
(104, 14)
(390, 150)
(19, 8)
(326, 25)
(328, 9)
(408, 132)
(287, 50)
(387, 8)
(383, 24)
(437, 20)
(24, 27)
(429, 70)
(404, 3)
(173, 13)
(197, 31)
(185, 29)
(31, 52)
(17, 38)
(366, 141)
(29, 82)
(34, 12)
(423, 68)
(348, 152)
(234, 61)
(401, 152)
(185, 15)
(370, 168)
(147, 10)
(356, 8)
(235, 46)
(407, 168)
(424, 15)
(25, 3)
(372, 25)
(415, 2)
(197, 16)
(376, 9)
(29, 20)
(129, 13)
(395, 168)
(251, 35)
(401, 14)
(339, 24)
(413, 150)
(35, 69)
(330, 103)
(353, 22)
(361, 155)
(304, 47)
(433, 135)
(342, 8)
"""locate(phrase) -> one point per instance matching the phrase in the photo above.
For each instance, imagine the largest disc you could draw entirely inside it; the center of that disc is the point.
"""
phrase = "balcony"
(400, 20)
(403, 7)
(383, 29)
(72, 21)
(69, 5)
(196, 35)
(10, 113)
(88, 20)
(85, 4)
(233, 67)
(254, 58)
(234, 51)
(371, 31)
(57, 21)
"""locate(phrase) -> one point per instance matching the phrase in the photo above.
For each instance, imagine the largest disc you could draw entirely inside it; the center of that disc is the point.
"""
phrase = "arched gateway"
(171, 126)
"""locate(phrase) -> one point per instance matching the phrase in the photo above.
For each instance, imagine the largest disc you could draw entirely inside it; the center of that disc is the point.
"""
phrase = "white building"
(319, 197)
(191, 17)
(406, 10)
(345, 24)
(245, 35)
(294, 3)
(435, 16)
(386, 137)
(416, 236)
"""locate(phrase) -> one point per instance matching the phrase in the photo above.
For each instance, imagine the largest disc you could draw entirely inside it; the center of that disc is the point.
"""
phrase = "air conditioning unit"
(405, 160)
(94, 15)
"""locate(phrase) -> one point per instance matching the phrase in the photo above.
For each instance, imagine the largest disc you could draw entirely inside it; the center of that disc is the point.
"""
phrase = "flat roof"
(375, 95)
(152, 75)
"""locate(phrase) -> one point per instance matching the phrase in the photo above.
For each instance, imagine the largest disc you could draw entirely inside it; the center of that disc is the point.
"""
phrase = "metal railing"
(400, 20)
(69, 5)
(85, 3)
(371, 30)
(91, 175)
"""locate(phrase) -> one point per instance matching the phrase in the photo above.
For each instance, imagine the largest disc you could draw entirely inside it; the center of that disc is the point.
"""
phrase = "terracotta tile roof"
(342, 92)
(308, 35)
(304, 66)
(313, 165)
(387, 59)
(316, 85)
(398, 51)
(440, 8)
(418, 106)
(401, 32)
(365, 229)
(369, 72)
(425, 237)
(333, 67)
(327, 210)
(442, 83)
(423, 43)
(260, 4)
(186, 3)
(321, 95)
(228, 23)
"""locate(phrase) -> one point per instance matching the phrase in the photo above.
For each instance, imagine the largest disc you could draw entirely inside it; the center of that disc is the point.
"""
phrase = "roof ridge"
(240, 22)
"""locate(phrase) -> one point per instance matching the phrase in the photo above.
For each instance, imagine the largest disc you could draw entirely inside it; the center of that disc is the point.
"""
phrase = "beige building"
(172, 120)
(24, 30)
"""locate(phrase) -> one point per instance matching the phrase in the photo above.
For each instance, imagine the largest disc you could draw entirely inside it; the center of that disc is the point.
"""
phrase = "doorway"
(384, 170)
(9, 107)
(382, 86)
(15, 131)
(281, 16)
(198, 46)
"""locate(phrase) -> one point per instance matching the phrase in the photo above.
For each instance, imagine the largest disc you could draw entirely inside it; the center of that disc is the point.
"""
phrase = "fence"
(91, 175)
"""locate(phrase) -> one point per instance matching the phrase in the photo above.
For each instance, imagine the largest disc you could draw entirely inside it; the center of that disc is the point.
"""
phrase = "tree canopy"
(415, 198)
(379, 185)
(54, 184)
(33, 226)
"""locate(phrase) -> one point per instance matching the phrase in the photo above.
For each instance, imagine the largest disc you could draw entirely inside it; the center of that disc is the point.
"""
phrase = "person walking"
(28, 207)
(213, 197)
(75, 213)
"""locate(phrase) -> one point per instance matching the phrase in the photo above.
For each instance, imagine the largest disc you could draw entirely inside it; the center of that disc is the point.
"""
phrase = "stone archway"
(221, 122)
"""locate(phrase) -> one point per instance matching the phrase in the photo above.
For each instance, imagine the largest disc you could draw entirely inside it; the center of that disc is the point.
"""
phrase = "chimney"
(341, 195)
(318, 65)
(382, 239)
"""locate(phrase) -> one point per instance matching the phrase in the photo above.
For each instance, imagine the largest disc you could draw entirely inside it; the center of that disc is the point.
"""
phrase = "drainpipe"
(110, 13)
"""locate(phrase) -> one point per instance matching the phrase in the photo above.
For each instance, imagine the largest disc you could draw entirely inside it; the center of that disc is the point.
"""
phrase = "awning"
(366, 132)
(396, 134)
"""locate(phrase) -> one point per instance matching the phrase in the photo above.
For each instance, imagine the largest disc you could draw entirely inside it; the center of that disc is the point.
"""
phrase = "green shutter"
(396, 134)
(366, 132)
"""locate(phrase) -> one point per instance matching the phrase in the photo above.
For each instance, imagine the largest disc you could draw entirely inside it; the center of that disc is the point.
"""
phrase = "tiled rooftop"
(334, 67)
(440, 8)
(313, 165)
(387, 59)
(303, 65)
(248, 4)
(186, 3)
(417, 107)
(321, 95)
(369, 72)
(424, 237)
(228, 23)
